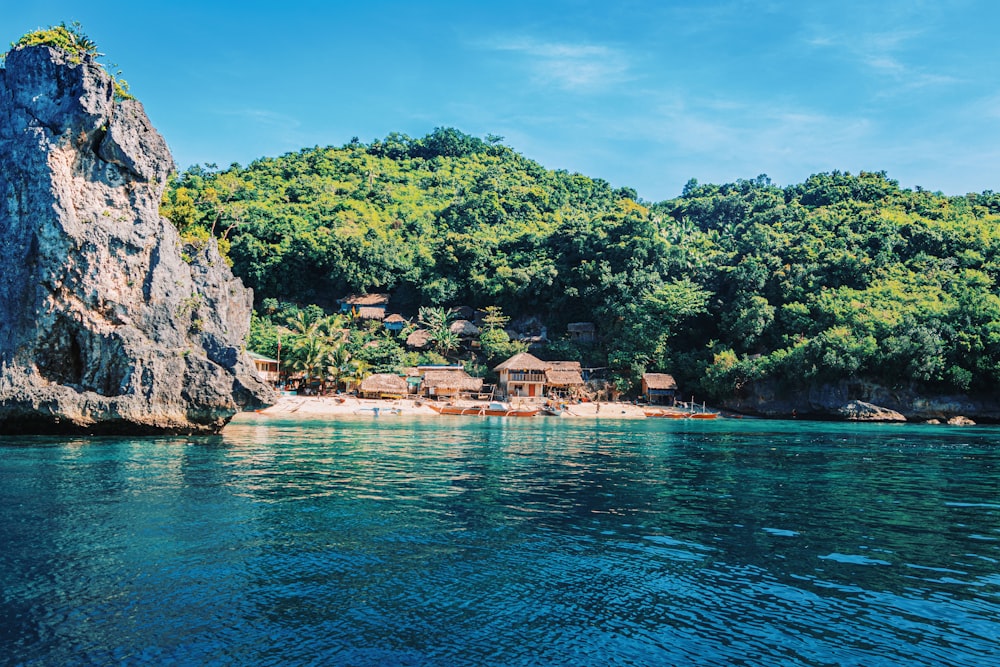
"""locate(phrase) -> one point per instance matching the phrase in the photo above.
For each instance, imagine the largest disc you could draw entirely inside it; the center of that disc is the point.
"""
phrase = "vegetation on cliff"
(842, 276)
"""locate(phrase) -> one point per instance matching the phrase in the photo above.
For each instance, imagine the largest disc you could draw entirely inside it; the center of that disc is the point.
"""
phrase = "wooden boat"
(494, 409)
(667, 413)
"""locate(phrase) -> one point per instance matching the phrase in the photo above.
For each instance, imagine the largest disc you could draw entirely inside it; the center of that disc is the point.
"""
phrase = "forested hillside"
(843, 276)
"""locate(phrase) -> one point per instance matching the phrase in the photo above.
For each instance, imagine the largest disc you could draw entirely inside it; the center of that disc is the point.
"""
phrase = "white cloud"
(576, 67)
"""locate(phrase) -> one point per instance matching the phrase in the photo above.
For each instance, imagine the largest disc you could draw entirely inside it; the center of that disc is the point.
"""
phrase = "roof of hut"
(384, 383)
(564, 378)
(524, 362)
(395, 317)
(660, 381)
(580, 327)
(464, 328)
(370, 313)
(419, 339)
(452, 380)
(565, 366)
(365, 299)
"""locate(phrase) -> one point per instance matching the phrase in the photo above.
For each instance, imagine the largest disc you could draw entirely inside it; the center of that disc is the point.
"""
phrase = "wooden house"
(365, 306)
(267, 368)
(383, 385)
(447, 383)
(523, 375)
(659, 388)
(394, 322)
(419, 339)
(564, 378)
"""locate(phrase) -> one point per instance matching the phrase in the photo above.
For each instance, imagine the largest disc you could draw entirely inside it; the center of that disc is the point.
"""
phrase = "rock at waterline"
(861, 411)
(107, 325)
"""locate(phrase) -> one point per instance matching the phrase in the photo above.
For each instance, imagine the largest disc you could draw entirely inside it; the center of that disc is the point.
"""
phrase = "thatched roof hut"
(358, 300)
(563, 378)
(659, 381)
(659, 388)
(419, 339)
(464, 328)
(450, 382)
(383, 385)
(524, 361)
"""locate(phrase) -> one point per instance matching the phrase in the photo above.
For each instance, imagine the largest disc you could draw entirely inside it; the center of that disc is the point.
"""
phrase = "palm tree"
(438, 323)
(336, 363)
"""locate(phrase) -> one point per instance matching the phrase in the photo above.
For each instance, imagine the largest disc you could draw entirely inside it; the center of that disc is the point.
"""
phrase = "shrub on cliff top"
(71, 39)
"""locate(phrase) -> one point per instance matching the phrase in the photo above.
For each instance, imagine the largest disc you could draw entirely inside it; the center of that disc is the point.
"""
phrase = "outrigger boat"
(494, 409)
(680, 413)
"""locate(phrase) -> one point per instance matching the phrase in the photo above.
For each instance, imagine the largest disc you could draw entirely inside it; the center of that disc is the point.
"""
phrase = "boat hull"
(482, 411)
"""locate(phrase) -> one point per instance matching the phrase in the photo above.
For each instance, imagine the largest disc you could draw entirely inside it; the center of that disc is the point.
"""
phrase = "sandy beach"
(346, 406)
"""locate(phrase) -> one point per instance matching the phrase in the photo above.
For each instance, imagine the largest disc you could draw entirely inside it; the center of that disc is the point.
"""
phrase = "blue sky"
(643, 94)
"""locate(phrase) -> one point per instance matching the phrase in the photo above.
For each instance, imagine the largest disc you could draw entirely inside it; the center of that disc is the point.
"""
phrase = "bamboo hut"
(449, 383)
(659, 388)
(522, 375)
(419, 339)
(564, 378)
(383, 385)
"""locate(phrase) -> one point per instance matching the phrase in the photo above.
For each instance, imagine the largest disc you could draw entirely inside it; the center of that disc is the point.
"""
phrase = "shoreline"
(351, 406)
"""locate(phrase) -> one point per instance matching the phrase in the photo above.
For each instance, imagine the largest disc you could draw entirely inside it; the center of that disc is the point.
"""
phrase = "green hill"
(843, 276)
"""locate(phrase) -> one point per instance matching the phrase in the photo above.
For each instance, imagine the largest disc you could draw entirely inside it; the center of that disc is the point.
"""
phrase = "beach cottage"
(564, 378)
(383, 385)
(267, 368)
(523, 375)
(450, 383)
(365, 306)
(659, 388)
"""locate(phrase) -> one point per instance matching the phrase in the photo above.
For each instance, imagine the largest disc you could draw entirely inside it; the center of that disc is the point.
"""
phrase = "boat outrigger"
(691, 411)
(493, 409)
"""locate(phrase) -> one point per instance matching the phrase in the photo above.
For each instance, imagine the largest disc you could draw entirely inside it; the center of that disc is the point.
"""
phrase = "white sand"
(344, 406)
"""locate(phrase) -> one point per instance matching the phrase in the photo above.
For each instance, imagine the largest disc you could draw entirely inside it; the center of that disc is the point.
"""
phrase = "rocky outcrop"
(834, 400)
(859, 411)
(107, 324)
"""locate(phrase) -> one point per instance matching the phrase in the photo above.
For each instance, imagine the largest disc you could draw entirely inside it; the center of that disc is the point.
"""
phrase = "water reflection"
(505, 542)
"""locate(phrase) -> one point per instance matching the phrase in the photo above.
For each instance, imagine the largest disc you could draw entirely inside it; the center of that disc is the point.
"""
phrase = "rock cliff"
(859, 401)
(107, 323)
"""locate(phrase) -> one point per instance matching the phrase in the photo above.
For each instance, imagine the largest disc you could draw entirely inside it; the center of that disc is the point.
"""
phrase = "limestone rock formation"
(860, 411)
(107, 322)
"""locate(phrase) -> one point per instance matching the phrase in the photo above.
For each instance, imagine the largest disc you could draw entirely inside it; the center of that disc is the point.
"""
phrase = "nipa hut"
(564, 377)
(659, 388)
(522, 375)
(383, 385)
(419, 339)
(450, 383)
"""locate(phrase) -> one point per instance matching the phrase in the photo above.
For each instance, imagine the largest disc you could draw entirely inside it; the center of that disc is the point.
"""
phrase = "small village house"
(450, 383)
(564, 378)
(419, 339)
(523, 375)
(659, 388)
(365, 306)
(383, 385)
(394, 322)
(267, 368)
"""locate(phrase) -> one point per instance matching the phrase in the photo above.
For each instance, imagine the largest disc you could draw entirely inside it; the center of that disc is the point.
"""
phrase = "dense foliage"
(71, 39)
(843, 276)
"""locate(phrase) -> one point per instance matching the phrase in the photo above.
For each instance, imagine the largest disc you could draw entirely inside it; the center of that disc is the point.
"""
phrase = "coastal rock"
(867, 412)
(959, 420)
(825, 400)
(108, 324)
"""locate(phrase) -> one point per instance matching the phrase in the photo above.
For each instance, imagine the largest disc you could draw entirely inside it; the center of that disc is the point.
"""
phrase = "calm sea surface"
(484, 541)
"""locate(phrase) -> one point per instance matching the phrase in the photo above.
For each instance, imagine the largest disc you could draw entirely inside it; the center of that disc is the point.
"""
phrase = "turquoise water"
(471, 541)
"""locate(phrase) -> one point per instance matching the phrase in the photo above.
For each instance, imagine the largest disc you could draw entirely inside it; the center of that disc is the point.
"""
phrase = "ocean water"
(485, 541)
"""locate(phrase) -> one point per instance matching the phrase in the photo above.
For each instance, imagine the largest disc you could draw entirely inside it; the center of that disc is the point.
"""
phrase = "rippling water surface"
(457, 541)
